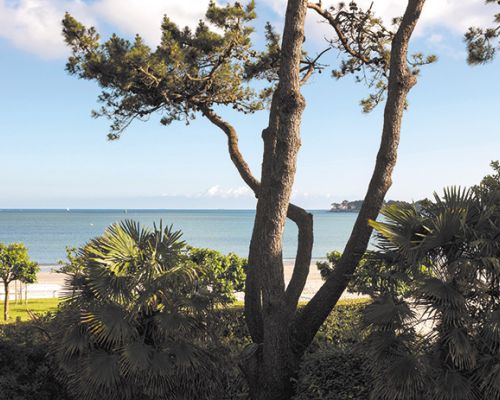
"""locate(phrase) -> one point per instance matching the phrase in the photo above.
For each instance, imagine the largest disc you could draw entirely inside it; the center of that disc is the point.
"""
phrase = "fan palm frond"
(102, 370)
(136, 357)
(401, 230)
(109, 324)
(452, 385)
(388, 314)
(460, 349)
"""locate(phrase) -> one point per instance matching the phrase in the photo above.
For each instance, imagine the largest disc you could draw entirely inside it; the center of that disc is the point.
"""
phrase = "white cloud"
(436, 38)
(144, 17)
(34, 25)
(218, 191)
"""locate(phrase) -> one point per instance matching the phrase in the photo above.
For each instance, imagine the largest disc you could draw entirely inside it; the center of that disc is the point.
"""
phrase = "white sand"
(50, 284)
(314, 281)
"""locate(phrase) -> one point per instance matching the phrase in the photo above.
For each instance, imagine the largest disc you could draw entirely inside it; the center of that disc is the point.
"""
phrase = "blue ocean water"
(47, 232)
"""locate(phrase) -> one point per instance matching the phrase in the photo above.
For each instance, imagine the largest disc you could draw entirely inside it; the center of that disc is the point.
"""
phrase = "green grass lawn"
(43, 306)
(302, 303)
(37, 306)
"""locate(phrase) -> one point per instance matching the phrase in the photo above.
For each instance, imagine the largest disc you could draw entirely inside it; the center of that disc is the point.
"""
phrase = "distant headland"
(355, 206)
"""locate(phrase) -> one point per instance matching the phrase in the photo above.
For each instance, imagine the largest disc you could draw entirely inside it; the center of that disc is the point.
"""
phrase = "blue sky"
(54, 155)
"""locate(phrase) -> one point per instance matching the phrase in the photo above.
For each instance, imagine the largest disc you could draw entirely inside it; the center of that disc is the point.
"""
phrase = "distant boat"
(67, 209)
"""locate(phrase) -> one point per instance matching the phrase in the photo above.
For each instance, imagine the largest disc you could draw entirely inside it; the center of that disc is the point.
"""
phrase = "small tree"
(15, 264)
(222, 274)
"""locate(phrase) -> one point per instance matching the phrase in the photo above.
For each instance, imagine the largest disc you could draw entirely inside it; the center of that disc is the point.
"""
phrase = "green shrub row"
(28, 369)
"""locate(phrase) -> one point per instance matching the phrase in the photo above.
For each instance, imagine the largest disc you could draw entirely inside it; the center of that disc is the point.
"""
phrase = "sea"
(47, 233)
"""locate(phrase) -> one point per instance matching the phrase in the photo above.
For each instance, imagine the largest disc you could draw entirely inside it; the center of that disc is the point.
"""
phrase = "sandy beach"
(50, 284)
(50, 278)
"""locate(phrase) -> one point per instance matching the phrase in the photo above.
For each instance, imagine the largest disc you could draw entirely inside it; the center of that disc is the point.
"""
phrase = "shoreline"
(50, 282)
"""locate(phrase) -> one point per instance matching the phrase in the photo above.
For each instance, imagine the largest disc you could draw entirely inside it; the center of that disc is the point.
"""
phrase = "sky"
(54, 155)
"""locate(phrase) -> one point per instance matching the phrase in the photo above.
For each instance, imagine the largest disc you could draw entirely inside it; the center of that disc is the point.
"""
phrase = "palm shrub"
(135, 320)
(440, 338)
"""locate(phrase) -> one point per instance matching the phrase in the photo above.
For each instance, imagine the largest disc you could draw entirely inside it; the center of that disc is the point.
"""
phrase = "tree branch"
(298, 215)
(234, 152)
(340, 34)
(253, 302)
(401, 81)
(311, 66)
(304, 221)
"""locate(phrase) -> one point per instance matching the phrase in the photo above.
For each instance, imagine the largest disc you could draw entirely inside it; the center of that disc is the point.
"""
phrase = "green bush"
(333, 374)
(342, 327)
(376, 273)
(27, 372)
(222, 274)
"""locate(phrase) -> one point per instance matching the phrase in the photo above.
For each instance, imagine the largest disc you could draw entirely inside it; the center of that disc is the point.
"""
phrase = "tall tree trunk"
(6, 301)
(279, 335)
(270, 366)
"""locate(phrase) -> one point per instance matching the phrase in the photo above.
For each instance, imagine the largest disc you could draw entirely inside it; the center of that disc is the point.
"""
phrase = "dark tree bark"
(6, 301)
(272, 363)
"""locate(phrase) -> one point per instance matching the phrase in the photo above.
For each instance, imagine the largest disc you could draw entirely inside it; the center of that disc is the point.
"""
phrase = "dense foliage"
(135, 322)
(333, 374)
(28, 369)
(440, 339)
(190, 71)
(193, 71)
(27, 372)
(377, 271)
(223, 274)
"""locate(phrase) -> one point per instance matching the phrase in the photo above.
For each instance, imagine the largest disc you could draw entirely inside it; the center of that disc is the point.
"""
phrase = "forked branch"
(298, 215)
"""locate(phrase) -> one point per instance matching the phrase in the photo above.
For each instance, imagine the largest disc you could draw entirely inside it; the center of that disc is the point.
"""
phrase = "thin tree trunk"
(15, 291)
(6, 301)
